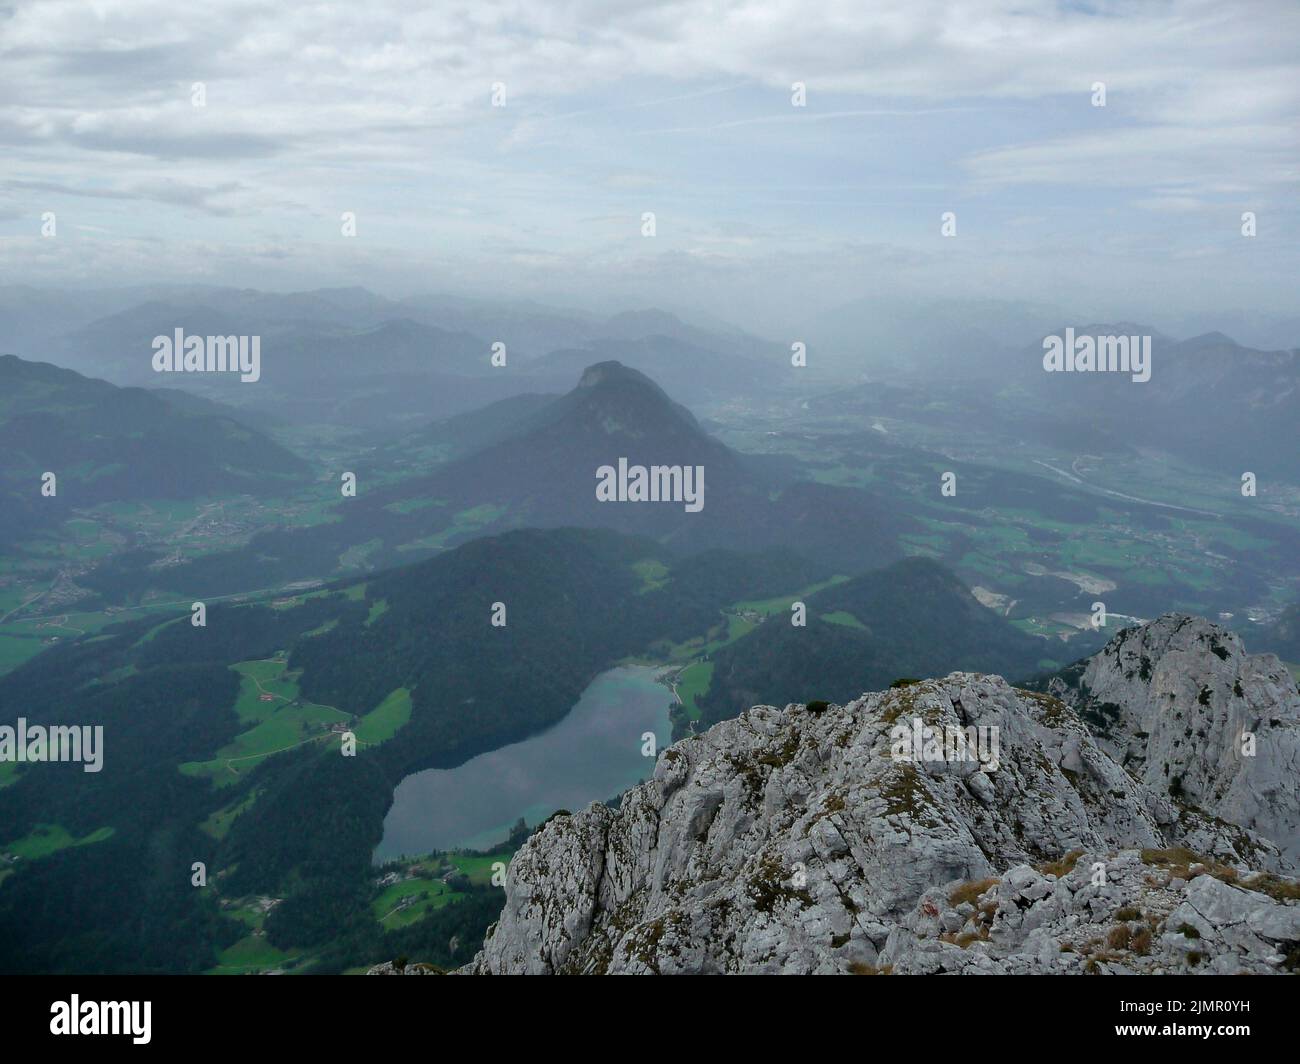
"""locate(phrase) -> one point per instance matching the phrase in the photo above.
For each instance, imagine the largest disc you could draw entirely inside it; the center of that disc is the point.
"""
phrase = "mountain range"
(1208, 399)
(542, 471)
(533, 462)
(111, 444)
(351, 357)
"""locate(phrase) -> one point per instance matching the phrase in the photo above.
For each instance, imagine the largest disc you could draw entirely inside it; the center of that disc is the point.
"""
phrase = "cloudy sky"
(765, 212)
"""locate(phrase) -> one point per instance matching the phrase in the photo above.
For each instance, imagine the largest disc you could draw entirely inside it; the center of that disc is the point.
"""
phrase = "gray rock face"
(391, 968)
(794, 841)
(1119, 913)
(1181, 705)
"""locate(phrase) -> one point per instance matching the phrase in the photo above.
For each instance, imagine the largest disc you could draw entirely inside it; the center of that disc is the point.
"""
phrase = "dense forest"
(911, 619)
(112, 444)
(301, 822)
(164, 692)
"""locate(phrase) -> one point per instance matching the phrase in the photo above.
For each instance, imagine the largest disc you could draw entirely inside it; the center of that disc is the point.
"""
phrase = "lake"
(591, 755)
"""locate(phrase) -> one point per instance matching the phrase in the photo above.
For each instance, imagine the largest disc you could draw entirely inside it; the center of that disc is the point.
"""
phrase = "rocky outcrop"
(396, 968)
(1182, 706)
(825, 840)
(1135, 911)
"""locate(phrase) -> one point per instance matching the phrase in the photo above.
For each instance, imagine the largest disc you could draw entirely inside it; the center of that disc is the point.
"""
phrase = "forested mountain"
(200, 767)
(544, 473)
(911, 619)
(1209, 400)
(680, 365)
(532, 462)
(111, 444)
(462, 434)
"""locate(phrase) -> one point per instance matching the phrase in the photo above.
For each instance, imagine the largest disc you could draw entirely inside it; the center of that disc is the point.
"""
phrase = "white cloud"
(384, 108)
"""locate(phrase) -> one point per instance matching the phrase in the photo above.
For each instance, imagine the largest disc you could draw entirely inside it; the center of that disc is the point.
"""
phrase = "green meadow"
(383, 722)
(692, 683)
(45, 839)
(276, 718)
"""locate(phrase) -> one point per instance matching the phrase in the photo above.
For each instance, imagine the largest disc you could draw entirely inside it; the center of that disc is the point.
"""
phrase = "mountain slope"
(193, 743)
(462, 434)
(535, 464)
(545, 474)
(1209, 399)
(809, 840)
(682, 366)
(1174, 700)
(106, 443)
(913, 618)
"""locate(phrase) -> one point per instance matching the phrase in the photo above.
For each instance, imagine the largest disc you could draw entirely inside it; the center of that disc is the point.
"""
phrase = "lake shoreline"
(593, 754)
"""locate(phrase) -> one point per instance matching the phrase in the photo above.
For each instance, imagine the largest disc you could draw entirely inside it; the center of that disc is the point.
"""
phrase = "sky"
(765, 213)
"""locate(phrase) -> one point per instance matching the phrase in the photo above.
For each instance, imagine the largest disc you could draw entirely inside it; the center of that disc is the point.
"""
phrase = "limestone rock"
(1182, 706)
(791, 841)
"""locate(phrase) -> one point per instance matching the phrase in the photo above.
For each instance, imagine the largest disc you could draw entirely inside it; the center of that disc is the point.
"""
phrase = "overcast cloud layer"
(766, 213)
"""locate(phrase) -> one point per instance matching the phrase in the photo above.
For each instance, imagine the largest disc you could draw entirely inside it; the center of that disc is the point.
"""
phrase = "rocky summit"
(1181, 705)
(1117, 824)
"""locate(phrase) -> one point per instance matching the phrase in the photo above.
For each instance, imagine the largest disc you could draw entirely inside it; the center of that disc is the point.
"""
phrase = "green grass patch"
(268, 702)
(18, 649)
(148, 636)
(46, 839)
(737, 626)
(393, 909)
(462, 523)
(693, 683)
(653, 574)
(251, 954)
(383, 722)
(218, 824)
(321, 629)
(479, 866)
(783, 602)
(410, 506)
(845, 618)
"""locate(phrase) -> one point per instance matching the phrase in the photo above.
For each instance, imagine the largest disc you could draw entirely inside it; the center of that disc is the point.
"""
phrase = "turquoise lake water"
(593, 754)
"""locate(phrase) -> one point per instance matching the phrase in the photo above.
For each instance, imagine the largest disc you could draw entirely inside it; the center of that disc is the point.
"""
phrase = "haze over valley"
(539, 471)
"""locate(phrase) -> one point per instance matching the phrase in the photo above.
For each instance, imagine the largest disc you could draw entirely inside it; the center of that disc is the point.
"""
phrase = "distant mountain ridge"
(685, 367)
(111, 444)
(349, 355)
(1209, 398)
